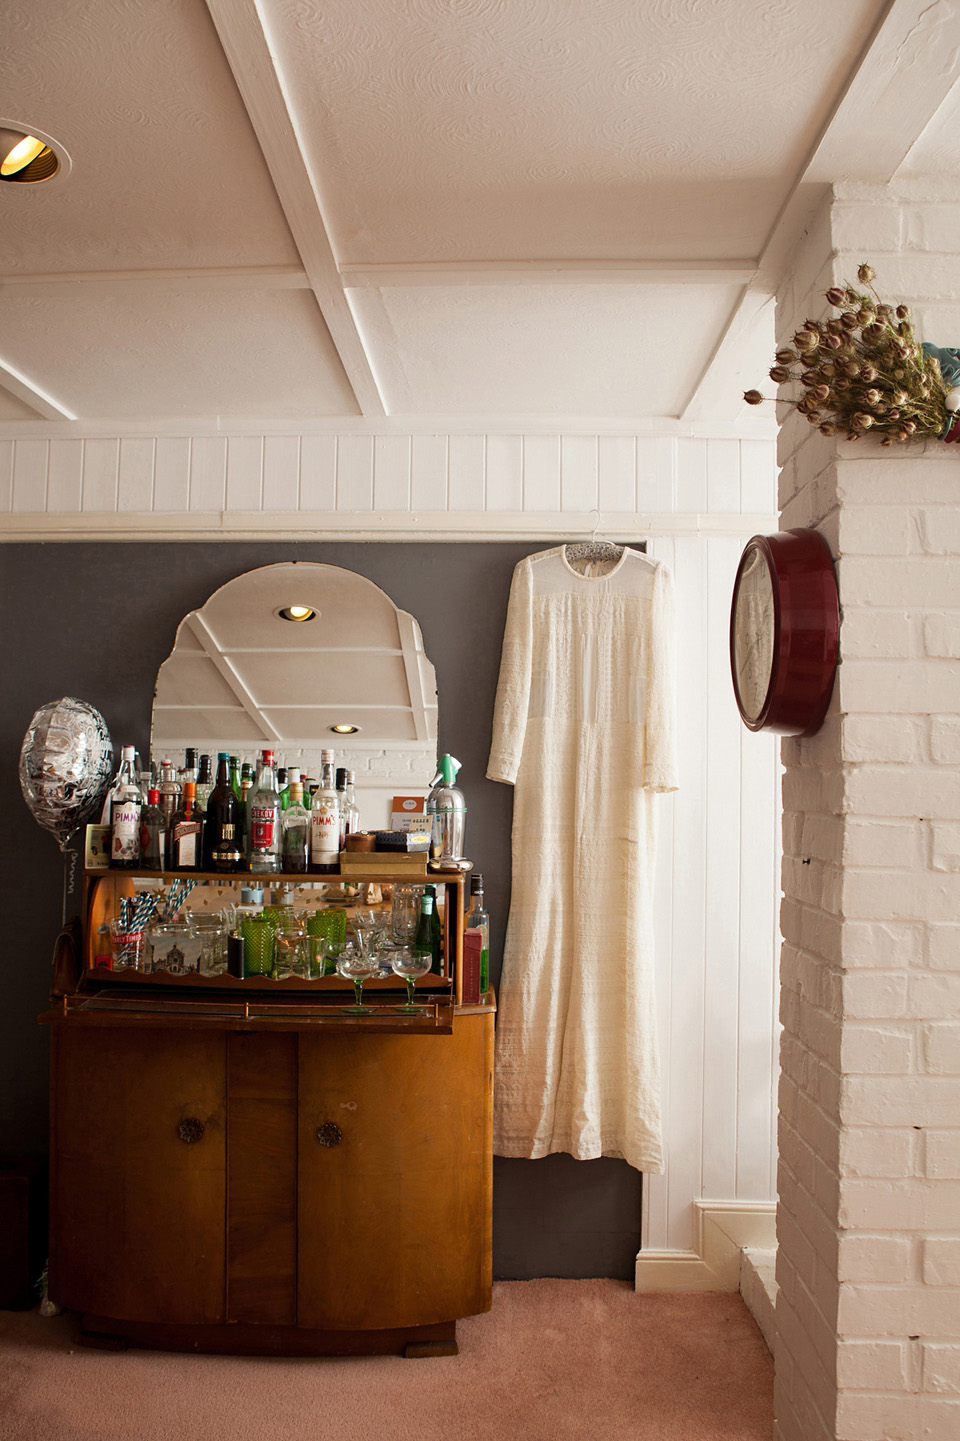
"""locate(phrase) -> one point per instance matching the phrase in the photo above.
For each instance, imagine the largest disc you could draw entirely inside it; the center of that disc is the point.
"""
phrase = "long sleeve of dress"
(660, 749)
(513, 687)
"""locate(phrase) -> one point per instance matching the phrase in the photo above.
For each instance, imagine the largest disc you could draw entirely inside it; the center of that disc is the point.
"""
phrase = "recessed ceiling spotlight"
(344, 730)
(27, 156)
(297, 612)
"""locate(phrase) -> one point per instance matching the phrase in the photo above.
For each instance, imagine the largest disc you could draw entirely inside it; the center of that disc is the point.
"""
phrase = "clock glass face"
(753, 634)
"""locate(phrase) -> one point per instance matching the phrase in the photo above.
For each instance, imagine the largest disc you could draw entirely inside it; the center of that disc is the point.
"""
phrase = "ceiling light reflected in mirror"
(27, 156)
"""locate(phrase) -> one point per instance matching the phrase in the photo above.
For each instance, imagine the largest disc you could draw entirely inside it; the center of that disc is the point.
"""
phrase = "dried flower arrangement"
(863, 371)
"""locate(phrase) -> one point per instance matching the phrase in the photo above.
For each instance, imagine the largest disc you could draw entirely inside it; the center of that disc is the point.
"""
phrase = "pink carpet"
(553, 1361)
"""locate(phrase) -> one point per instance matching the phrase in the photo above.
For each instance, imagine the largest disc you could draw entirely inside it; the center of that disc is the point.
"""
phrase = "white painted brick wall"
(870, 1123)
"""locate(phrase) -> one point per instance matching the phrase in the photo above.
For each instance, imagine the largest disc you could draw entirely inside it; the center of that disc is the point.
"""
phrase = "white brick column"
(868, 1268)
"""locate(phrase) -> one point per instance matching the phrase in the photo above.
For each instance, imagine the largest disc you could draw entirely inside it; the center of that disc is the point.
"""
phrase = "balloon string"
(69, 876)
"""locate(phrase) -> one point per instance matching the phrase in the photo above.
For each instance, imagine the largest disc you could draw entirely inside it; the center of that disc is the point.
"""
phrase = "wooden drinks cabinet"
(240, 1166)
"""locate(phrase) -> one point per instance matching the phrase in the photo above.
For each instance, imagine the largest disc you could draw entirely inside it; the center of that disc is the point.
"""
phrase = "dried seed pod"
(862, 421)
(851, 368)
(872, 396)
(848, 320)
(779, 373)
(866, 273)
(869, 372)
(835, 295)
(827, 369)
(786, 357)
(828, 428)
(903, 312)
(820, 393)
(753, 397)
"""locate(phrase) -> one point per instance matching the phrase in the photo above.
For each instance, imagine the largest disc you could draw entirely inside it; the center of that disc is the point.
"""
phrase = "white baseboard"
(723, 1230)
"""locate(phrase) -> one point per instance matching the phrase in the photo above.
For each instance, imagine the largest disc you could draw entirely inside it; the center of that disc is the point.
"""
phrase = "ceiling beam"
(241, 277)
(253, 63)
(13, 380)
(548, 272)
(904, 72)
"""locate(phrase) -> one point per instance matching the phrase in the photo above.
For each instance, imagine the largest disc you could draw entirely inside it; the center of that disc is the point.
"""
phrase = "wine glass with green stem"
(357, 964)
(408, 963)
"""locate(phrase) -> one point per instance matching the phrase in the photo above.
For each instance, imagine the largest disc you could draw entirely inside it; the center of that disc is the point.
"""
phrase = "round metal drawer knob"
(190, 1130)
(329, 1134)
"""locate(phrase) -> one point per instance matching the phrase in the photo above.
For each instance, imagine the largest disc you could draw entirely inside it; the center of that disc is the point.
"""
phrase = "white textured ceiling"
(490, 209)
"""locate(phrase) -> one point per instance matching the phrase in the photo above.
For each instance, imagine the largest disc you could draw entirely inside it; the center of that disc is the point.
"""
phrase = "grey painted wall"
(95, 621)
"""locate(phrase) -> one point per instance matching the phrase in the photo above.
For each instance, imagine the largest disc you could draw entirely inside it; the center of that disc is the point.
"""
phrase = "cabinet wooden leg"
(413, 1350)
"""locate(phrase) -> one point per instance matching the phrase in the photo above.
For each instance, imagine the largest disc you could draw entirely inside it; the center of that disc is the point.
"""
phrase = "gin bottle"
(295, 833)
(478, 919)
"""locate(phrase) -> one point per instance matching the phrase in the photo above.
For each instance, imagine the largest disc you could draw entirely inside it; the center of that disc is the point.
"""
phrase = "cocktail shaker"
(446, 812)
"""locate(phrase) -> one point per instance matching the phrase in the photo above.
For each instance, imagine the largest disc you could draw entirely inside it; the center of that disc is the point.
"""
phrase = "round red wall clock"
(784, 632)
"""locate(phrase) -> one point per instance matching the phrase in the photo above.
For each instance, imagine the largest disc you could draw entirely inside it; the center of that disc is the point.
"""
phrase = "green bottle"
(437, 963)
(423, 940)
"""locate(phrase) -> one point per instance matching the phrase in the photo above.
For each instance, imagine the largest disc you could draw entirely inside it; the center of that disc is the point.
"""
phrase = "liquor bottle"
(170, 797)
(293, 779)
(295, 833)
(235, 776)
(437, 964)
(204, 782)
(186, 840)
(153, 834)
(188, 771)
(352, 823)
(224, 842)
(263, 819)
(478, 918)
(283, 780)
(125, 816)
(325, 821)
(423, 940)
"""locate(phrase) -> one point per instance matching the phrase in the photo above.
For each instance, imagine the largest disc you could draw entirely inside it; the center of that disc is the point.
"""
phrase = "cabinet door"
(138, 1188)
(395, 1216)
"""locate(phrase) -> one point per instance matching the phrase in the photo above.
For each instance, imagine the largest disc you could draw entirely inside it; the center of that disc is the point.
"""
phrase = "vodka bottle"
(263, 819)
(153, 834)
(295, 833)
(477, 918)
(125, 816)
(325, 821)
(224, 842)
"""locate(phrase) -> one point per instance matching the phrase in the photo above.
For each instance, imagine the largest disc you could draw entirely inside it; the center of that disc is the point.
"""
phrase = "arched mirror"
(302, 657)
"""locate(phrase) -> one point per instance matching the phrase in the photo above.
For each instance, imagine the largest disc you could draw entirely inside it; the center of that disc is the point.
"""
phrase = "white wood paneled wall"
(166, 482)
(697, 499)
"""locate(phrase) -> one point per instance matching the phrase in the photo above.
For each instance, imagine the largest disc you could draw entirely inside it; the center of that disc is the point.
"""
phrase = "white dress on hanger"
(584, 730)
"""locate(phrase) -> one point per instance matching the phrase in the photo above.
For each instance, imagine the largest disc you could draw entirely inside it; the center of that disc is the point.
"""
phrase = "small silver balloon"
(66, 762)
